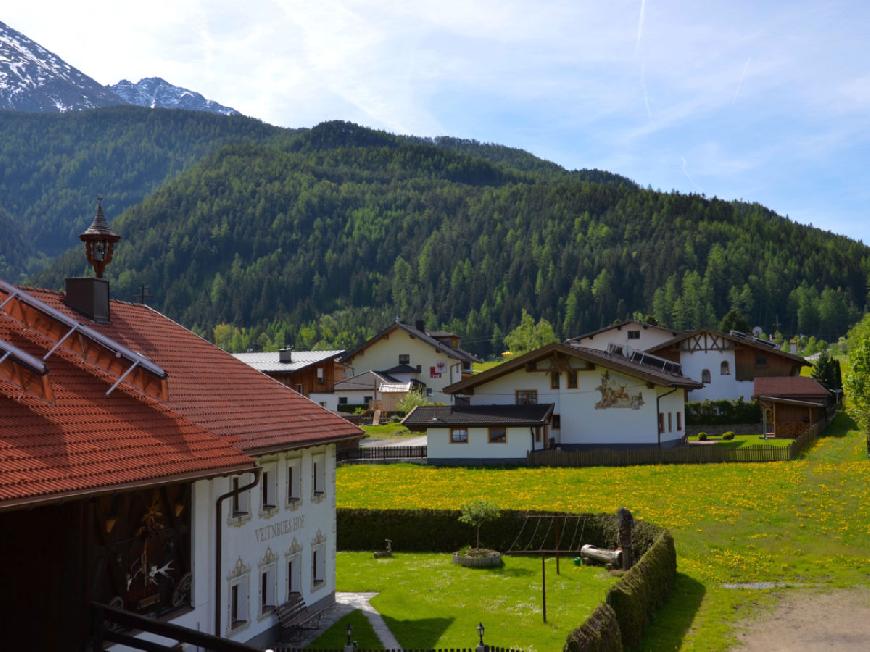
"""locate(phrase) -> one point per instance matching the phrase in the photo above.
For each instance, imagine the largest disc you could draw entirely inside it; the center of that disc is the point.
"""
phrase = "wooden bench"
(295, 614)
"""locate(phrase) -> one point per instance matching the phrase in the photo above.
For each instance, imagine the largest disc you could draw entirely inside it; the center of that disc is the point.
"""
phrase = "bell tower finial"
(99, 241)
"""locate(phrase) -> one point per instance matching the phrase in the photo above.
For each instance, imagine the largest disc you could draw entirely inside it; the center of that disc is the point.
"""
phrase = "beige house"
(632, 333)
(431, 360)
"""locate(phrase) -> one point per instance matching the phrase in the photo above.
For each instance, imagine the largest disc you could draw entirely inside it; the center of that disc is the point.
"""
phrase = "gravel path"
(812, 622)
(361, 601)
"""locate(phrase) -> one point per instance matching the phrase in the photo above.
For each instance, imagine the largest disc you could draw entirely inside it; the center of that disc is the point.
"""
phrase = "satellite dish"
(756, 332)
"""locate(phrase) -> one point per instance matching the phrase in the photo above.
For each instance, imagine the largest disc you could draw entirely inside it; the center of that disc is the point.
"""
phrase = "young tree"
(529, 335)
(412, 399)
(734, 320)
(857, 383)
(477, 513)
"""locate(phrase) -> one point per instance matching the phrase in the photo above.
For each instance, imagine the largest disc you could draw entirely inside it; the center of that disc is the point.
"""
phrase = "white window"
(268, 586)
(321, 374)
(318, 475)
(239, 602)
(241, 501)
(318, 564)
(294, 574)
(269, 488)
(294, 481)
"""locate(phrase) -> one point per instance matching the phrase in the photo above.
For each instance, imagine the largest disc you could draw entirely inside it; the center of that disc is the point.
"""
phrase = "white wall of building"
(518, 444)
(581, 422)
(384, 354)
(649, 337)
(329, 401)
(721, 386)
(264, 540)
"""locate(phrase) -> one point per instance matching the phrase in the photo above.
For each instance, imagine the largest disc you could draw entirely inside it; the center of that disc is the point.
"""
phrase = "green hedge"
(600, 633)
(643, 589)
(616, 624)
(721, 413)
(441, 531)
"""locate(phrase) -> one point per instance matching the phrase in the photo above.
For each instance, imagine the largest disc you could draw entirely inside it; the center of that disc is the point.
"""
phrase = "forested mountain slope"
(14, 248)
(321, 236)
(52, 166)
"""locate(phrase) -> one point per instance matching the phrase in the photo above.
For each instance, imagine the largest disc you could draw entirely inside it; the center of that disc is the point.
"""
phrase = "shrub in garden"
(728, 436)
(702, 436)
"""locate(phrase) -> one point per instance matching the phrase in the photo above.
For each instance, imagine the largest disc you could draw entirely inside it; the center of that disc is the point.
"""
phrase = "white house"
(412, 354)
(633, 334)
(727, 364)
(459, 434)
(372, 390)
(598, 398)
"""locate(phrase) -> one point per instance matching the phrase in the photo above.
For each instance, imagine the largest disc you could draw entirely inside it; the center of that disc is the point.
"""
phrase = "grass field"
(744, 441)
(805, 522)
(335, 637)
(427, 601)
(388, 431)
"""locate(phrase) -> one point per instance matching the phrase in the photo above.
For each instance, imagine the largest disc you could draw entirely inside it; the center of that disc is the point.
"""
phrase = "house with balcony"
(431, 360)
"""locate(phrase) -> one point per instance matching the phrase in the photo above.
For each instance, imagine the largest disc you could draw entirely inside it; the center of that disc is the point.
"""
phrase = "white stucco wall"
(721, 387)
(581, 422)
(649, 337)
(291, 528)
(329, 401)
(519, 441)
(384, 354)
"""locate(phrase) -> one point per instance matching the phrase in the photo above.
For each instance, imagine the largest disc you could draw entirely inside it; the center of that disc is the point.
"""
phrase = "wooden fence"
(376, 453)
(687, 454)
(487, 648)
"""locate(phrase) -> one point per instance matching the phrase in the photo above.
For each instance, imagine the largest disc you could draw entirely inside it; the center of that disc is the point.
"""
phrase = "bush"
(721, 413)
(643, 589)
(600, 633)
(702, 436)
(728, 436)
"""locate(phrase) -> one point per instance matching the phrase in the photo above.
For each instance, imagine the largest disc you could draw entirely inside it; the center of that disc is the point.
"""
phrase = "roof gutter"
(217, 544)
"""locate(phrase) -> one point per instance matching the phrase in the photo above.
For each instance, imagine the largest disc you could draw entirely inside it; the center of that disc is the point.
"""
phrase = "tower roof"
(99, 226)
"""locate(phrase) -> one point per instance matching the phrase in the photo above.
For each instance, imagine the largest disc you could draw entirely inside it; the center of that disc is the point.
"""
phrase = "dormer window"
(405, 358)
(634, 335)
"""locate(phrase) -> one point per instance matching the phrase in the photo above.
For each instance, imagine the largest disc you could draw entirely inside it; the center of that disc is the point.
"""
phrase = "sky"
(765, 101)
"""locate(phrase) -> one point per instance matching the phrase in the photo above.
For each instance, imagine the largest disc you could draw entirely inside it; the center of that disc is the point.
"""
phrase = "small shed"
(791, 404)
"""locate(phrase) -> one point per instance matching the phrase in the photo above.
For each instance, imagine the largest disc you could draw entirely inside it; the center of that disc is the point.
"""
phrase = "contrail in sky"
(689, 176)
(640, 24)
(742, 77)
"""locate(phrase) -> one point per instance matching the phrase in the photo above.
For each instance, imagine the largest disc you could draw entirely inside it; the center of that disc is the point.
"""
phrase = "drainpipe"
(217, 544)
(659, 397)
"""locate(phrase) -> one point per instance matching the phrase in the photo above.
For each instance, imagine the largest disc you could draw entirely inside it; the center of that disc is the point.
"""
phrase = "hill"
(52, 166)
(320, 236)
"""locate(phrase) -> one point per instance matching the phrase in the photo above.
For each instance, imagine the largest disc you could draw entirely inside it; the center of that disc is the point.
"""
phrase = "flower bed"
(478, 558)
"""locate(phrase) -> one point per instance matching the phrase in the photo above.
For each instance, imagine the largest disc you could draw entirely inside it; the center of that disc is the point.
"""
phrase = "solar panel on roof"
(107, 342)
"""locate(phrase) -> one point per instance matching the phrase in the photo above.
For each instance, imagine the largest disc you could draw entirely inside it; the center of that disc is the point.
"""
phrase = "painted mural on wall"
(616, 396)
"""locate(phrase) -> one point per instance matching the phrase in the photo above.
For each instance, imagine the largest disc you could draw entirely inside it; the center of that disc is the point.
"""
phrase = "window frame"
(706, 376)
(679, 420)
(725, 368)
(268, 589)
(633, 335)
(318, 565)
(573, 380)
(405, 358)
(240, 602)
(555, 379)
(670, 421)
(318, 472)
(530, 396)
(241, 502)
(293, 482)
(661, 422)
(452, 440)
(501, 440)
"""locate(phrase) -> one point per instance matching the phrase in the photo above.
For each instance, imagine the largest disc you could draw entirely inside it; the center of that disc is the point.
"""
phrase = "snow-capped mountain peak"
(37, 80)
(154, 92)
(34, 79)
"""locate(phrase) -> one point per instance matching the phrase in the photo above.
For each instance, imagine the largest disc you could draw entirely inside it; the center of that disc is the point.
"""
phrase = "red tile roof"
(218, 409)
(790, 386)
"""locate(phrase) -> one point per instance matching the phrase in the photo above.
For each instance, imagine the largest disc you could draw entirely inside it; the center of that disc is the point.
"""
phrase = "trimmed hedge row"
(441, 531)
(616, 624)
(721, 413)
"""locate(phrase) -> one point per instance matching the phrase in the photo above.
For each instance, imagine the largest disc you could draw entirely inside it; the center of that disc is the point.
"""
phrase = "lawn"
(335, 637)
(806, 521)
(477, 367)
(427, 601)
(744, 441)
(388, 431)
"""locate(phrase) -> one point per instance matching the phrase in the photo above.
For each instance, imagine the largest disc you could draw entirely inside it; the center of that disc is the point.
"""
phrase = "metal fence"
(376, 453)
